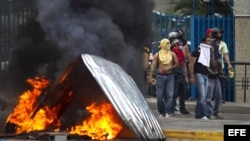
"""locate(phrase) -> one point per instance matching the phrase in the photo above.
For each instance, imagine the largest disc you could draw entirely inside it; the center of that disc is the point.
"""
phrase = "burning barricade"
(94, 98)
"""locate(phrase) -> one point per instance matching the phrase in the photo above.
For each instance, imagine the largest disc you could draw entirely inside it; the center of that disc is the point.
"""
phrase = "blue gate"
(198, 27)
(194, 28)
(163, 24)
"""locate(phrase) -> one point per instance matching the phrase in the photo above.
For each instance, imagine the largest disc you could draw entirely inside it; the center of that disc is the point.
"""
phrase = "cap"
(209, 31)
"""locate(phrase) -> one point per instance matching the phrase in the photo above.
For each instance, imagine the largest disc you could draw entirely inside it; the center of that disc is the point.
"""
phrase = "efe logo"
(236, 132)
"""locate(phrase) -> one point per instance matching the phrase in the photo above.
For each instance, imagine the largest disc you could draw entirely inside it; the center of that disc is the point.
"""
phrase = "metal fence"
(241, 82)
(13, 14)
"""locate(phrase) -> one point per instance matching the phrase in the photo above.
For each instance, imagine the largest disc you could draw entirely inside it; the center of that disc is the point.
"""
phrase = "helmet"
(215, 33)
(172, 36)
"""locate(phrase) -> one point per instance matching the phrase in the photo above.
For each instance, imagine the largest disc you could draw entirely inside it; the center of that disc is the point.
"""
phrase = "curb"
(228, 107)
(194, 135)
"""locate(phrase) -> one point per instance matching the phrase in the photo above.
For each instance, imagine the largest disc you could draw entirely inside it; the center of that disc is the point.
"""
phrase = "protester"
(200, 60)
(214, 87)
(165, 60)
(223, 49)
(180, 76)
(186, 51)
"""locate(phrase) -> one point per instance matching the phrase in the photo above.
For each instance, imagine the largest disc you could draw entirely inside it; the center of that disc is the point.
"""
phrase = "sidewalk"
(187, 127)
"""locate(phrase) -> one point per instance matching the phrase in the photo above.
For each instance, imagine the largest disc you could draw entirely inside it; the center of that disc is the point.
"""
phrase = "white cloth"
(204, 58)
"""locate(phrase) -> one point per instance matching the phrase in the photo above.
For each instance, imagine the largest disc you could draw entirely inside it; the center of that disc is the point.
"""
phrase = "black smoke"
(63, 29)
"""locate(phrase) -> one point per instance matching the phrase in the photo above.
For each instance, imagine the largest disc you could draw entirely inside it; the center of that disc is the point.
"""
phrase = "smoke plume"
(63, 29)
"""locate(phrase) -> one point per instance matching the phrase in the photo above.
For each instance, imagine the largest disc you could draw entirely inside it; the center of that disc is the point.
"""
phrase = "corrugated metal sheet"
(125, 96)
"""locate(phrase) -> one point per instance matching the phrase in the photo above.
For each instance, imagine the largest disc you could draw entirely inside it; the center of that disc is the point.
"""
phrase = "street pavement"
(184, 127)
(180, 127)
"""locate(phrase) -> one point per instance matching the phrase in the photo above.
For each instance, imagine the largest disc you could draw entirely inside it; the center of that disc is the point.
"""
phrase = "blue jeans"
(164, 93)
(214, 90)
(201, 82)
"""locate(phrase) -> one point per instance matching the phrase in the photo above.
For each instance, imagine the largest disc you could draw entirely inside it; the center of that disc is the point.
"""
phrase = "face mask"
(180, 47)
(218, 38)
(165, 44)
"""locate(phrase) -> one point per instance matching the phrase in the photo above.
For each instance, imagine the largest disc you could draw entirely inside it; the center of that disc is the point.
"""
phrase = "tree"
(184, 7)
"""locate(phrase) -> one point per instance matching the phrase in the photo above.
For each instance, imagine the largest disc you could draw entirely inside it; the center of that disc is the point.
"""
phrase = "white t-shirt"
(223, 49)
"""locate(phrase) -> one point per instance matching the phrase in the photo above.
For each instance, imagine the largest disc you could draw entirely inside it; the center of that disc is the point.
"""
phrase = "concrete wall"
(242, 46)
(164, 6)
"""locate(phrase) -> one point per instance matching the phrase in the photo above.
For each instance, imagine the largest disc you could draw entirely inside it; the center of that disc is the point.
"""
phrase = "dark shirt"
(216, 49)
(184, 41)
(198, 67)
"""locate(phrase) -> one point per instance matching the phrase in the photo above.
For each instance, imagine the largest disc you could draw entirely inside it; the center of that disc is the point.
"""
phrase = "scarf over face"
(165, 55)
(180, 55)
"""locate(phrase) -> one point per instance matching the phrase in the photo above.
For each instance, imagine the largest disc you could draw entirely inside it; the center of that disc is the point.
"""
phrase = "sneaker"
(176, 108)
(164, 116)
(217, 117)
(161, 116)
(177, 112)
(185, 112)
(212, 117)
(204, 118)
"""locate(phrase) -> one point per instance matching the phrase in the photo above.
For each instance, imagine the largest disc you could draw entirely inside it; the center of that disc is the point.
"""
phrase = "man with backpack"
(216, 74)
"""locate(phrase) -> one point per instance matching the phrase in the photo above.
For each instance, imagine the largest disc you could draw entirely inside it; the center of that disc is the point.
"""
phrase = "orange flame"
(101, 124)
(26, 106)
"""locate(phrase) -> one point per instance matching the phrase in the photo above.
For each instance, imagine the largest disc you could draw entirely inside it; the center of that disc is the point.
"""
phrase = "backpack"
(216, 69)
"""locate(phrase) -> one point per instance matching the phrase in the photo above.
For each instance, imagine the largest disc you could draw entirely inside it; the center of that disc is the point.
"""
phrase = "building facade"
(242, 47)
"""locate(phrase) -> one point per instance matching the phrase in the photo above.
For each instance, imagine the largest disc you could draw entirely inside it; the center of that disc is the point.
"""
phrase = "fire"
(27, 105)
(101, 124)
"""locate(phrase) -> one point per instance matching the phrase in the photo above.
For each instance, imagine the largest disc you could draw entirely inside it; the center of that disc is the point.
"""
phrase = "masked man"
(164, 61)
(180, 75)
